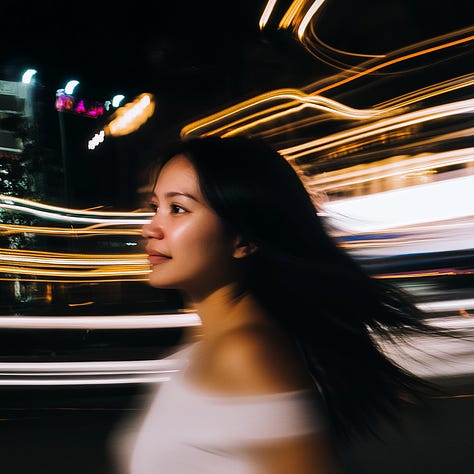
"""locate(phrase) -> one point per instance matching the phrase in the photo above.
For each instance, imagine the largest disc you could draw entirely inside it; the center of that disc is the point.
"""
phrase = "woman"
(285, 356)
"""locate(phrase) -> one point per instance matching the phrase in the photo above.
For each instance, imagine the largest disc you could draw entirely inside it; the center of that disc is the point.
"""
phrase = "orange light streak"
(394, 61)
(253, 121)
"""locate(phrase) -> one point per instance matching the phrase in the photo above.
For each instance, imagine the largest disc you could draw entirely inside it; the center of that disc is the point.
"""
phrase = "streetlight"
(70, 86)
(68, 89)
(27, 79)
(27, 76)
(117, 99)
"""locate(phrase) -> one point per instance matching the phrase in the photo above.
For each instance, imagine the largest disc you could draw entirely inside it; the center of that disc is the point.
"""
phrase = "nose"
(153, 230)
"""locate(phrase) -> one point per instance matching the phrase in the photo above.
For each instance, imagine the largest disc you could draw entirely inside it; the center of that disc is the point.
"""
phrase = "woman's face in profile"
(187, 245)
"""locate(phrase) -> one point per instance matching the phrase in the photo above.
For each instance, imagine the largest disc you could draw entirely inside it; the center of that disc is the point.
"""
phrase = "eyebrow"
(172, 194)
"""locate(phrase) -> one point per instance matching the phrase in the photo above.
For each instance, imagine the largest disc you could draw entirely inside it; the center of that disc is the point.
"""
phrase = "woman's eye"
(153, 207)
(176, 209)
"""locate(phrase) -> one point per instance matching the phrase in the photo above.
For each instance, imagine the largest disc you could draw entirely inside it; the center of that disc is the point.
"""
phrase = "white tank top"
(188, 431)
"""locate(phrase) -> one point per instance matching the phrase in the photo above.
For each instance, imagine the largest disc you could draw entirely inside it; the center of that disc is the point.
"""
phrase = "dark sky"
(196, 57)
(112, 47)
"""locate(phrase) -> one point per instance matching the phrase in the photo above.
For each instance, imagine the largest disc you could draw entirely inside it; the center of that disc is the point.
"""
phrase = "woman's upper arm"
(309, 454)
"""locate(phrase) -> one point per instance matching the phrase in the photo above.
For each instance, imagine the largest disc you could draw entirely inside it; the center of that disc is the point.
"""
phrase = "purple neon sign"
(78, 106)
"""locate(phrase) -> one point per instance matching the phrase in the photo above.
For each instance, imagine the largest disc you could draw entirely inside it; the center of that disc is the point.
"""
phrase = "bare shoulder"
(256, 359)
(309, 454)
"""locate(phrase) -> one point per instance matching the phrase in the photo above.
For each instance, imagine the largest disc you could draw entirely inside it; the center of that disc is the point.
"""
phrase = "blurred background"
(371, 101)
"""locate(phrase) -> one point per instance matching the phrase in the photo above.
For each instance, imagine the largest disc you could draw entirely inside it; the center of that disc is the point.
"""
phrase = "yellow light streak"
(307, 40)
(299, 22)
(382, 126)
(69, 218)
(109, 272)
(228, 122)
(131, 116)
(90, 231)
(269, 7)
(291, 13)
(12, 200)
(393, 61)
(308, 16)
(389, 168)
(85, 303)
(428, 92)
(54, 279)
(321, 103)
(50, 266)
(420, 274)
(63, 259)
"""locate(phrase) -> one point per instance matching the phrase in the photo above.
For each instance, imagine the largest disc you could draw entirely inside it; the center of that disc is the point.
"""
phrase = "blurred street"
(61, 430)
(372, 102)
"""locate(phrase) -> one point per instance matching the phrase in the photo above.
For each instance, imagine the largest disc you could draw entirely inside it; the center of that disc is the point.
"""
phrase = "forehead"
(178, 172)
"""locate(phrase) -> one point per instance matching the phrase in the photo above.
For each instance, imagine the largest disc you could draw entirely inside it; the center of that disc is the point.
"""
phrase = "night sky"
(166, 46)
(195, 57)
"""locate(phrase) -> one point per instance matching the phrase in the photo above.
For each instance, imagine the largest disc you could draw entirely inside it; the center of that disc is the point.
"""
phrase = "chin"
(159, 281)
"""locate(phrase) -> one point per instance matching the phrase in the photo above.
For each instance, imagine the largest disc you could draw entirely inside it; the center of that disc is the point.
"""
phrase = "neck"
(223, 309)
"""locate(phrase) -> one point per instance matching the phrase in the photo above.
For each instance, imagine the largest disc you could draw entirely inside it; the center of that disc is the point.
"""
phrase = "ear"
(243, 248)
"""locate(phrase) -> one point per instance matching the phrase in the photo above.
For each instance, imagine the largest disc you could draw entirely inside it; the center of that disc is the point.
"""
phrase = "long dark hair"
(315, 290)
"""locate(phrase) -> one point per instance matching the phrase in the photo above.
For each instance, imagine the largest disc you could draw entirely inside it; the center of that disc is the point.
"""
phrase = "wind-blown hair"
(314, 289)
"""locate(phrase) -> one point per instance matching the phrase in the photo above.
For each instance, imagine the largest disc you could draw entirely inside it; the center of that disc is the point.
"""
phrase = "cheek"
(184, 237)
(204, 240)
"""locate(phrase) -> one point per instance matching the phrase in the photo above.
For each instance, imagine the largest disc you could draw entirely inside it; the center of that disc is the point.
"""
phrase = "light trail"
(291, 96)
(432, 237)
(46, 380)
(437, 201)
(57, 259)
(426, 357)
(13, 201)
(380, 127)
(74, 218)
(51, 266)
(331, 181)
(267, 12)
(133, 321)
(243, 117)
(90, 231)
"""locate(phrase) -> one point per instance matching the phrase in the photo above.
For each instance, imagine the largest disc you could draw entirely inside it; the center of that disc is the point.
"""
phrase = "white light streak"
(48, 381)
(443, 200)
(166, 365)
(380, 127)
(96, 140)
(177, 320)
(58, 217)
(436, 357)
(358, 174)
(449, 306)
(266, 13)
(307, 18)
(426, 357)
(20, 202)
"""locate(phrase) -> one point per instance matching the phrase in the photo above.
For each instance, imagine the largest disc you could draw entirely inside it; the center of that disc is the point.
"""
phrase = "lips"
(156, 257)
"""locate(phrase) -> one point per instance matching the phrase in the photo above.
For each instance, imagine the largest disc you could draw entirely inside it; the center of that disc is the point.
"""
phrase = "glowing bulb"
(117, 99)
(70, 86)
(28, 76)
